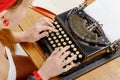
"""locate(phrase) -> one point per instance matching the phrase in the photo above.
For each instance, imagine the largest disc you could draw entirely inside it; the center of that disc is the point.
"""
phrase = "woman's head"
(14, 12)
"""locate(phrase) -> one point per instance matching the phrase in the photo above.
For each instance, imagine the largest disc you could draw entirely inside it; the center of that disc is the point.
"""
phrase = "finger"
(62, 50)
(65, 55)
(45, 28)
(43, 34)
(68, 67)
(55, 51)
(50, 23)
(69, 59)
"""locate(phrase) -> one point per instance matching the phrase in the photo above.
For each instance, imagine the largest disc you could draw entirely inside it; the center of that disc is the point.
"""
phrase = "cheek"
(17, 18)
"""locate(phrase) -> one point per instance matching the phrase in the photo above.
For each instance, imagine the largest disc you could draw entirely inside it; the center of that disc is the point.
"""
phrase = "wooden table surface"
(108, 71)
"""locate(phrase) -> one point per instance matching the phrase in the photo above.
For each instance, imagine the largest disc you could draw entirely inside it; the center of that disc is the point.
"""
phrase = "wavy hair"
(6, 35)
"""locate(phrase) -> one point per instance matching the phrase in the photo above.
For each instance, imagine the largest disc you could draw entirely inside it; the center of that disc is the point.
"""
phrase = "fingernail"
(68, 47)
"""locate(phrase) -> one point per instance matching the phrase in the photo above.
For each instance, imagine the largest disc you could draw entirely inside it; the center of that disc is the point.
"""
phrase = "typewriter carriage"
(85, 28)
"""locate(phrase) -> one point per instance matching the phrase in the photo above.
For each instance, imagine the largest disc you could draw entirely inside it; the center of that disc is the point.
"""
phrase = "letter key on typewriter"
(82, 33)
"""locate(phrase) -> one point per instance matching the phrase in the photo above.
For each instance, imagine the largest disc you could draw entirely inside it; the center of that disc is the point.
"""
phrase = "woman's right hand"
(53, 66)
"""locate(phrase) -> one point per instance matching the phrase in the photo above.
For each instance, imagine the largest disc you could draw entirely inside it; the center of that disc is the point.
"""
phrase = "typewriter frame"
(102, 55)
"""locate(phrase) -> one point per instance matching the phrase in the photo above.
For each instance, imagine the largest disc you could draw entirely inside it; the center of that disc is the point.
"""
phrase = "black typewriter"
(86, 39)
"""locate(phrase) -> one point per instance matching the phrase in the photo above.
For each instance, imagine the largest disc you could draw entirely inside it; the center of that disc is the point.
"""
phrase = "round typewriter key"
(54, 37)
(77, 52)
(72, 54)
(80, 56)
(62, 40)
(57, 26)
(52, 34)
(51, 42)
(62, 32)
(67, 38)
(60, 36)
(54, 45)
(60, 29)
(56, 22)
(59, 44)
(49, 38)
(74, 49)
(64, 35)
(57, 41)
(70, 42)
(64, 43)
(57, 33)
(72, 45)
(49, 31)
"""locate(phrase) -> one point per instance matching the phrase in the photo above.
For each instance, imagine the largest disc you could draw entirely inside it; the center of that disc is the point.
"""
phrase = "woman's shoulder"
(2, 49)
(4, 64)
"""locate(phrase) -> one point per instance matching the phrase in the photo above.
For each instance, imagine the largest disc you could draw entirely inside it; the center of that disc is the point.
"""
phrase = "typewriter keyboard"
(61, 39)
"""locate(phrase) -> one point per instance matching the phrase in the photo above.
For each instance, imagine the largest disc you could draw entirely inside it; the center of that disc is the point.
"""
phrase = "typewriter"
(86, 39)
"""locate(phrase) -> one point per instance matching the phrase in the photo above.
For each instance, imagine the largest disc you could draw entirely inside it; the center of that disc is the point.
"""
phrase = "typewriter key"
(60, 29)
(72, 54)
(57, 41)
(57, 33)
(64, 43)
(52, 34)
(54, 37)
(49, 39)
(72, 45)
(77, 52)
(59, 44)
(70, 42)
(65, 35)
(67, 38)
(80, 56)
(62, 32)
(62, 40)
(59, 36)
(49, 31)
(54, 45)
(57, 26)
(51, 42)
(56, 22)
(74, 49)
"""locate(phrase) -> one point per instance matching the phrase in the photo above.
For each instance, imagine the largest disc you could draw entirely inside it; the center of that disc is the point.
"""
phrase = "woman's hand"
(38, 31)
(53, 66)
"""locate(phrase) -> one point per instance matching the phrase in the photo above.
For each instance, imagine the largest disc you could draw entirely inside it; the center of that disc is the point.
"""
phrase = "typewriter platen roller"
(85, 37)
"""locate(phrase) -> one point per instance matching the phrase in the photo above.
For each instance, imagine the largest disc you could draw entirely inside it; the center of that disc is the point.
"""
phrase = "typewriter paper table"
(109, 71)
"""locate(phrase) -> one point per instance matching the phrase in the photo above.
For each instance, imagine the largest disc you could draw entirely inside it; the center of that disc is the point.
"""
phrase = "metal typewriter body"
(86, 38)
